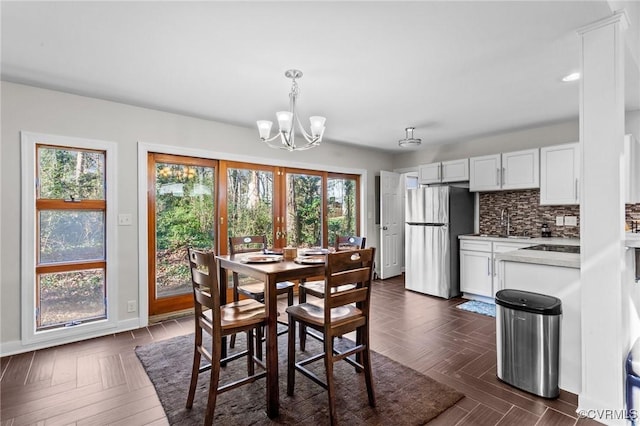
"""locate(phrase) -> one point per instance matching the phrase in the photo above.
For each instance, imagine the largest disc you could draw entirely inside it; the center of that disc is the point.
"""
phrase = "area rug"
(478, 307)
(403, 396)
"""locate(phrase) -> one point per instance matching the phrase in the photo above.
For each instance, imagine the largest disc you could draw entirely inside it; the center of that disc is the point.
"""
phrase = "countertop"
(552, 258)
(632, 240)
(534, 241)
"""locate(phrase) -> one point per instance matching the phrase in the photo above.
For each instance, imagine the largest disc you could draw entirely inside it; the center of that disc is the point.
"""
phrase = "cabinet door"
(476, 273)
(455, 171)
(560, 170)
(521, 169)
(484, 173)
(429, 173)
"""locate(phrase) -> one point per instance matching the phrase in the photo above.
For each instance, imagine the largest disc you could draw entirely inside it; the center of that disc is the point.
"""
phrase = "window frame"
(29, 237)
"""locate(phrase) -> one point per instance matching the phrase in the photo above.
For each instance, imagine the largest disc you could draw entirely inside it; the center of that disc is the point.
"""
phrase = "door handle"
(384, 228)
(488, 267)
(498, 177)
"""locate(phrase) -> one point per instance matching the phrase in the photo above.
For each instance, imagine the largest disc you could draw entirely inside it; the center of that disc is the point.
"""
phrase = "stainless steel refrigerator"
(434, 218)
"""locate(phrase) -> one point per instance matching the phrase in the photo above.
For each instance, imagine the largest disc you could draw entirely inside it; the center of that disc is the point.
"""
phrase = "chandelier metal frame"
(287, 121)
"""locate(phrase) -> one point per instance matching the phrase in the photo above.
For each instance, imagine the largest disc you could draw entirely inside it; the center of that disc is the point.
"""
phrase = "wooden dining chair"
(218, 321)
(341, 312)
(316, 287)
(255, 289)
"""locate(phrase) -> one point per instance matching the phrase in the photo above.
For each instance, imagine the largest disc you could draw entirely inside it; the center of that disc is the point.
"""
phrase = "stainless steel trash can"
(528, 341)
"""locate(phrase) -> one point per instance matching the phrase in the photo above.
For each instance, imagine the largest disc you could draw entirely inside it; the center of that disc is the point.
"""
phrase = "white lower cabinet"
(475, 273)
(478, 273)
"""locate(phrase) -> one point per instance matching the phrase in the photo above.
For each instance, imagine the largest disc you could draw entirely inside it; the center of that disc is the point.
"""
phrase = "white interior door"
(391, 224)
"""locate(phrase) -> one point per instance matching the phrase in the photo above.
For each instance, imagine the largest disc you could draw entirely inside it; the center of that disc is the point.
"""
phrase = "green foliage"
(70, 173)
(184, 207)
(250, 203)
(304, 210)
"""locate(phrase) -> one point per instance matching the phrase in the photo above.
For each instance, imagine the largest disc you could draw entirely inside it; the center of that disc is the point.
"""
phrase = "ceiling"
(452, 70)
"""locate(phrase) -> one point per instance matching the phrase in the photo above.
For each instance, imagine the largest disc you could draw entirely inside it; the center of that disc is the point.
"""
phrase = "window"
(65, 243)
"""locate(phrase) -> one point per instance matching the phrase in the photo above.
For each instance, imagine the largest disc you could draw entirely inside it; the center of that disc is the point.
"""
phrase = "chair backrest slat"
(348, 267)
(247, 244)
(350, 242)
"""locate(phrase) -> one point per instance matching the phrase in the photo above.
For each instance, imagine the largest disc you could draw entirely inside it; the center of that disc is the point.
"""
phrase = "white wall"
(553, 134)
(510, 141)
(26, 108)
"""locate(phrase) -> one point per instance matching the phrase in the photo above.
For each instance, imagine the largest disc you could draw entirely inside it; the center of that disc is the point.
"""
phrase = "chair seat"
(316, 288)
(256, 290)
(239, 314)
(313, 313)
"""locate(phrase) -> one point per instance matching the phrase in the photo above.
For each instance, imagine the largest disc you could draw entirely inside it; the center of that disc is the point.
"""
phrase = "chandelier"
(409, 141)
(287, 121)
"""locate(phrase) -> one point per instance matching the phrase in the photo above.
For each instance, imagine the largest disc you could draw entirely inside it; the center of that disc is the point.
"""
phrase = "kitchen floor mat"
(478, 307)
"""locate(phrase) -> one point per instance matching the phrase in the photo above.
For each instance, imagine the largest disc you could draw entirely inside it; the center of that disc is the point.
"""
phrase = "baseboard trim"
(17, 347)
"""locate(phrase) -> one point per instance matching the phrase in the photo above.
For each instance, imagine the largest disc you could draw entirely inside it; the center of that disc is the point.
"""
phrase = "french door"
(201, 203)
(181, 214)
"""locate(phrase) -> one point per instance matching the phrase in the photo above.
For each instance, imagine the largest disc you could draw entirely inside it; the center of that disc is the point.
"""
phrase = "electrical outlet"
(125, 219)
(559, 220)
(571, 221)
(131, 306)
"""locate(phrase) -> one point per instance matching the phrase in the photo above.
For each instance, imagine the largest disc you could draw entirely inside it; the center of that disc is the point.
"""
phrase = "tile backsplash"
(525, 213)
(527, 216)
(632, 213)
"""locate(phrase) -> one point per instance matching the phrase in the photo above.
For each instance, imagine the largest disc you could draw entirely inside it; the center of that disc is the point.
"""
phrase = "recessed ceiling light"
(571, 77)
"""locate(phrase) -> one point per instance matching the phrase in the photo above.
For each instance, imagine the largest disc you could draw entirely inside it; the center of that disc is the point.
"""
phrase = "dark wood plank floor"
(100, 381)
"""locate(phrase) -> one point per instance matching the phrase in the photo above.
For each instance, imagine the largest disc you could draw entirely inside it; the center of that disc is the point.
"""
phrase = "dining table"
(272, 271)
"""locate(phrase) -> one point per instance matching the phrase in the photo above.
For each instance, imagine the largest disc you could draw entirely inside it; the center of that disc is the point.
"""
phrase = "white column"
(605, 336)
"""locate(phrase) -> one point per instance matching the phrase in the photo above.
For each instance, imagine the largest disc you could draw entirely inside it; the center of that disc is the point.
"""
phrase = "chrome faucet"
(505, 225)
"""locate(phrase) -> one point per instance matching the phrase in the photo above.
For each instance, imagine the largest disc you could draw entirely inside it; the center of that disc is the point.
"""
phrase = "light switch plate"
(559, 220)
(571, 221)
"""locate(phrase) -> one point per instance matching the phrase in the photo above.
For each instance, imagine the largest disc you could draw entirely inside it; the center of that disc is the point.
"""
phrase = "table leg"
(271, 307)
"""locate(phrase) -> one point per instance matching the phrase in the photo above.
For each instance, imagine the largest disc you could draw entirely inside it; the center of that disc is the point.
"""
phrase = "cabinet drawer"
(475, 245)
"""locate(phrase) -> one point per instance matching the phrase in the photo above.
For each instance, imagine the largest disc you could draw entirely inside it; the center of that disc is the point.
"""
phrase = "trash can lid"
(529, 302)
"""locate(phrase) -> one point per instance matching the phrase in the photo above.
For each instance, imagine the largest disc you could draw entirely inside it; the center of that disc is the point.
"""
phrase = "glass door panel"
(304, 209)
(342, 209)
(182, 214)
(250, 202)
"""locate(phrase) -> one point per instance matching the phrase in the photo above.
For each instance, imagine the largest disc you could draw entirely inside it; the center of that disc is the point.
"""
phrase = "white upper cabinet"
(560, 174)
(521, 169)
(510, 170)
(484, 173)
(631, 170)
(446, 171)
